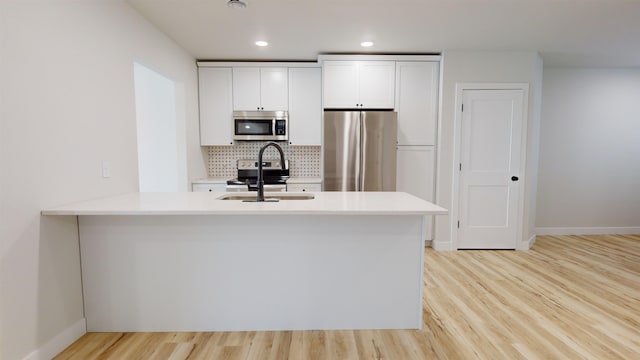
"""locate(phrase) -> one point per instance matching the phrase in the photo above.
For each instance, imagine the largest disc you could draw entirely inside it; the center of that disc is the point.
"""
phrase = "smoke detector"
(237, 4)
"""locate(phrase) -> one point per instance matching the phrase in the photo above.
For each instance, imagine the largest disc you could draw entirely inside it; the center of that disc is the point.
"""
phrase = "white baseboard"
(59, 342)
(442, 245)
(587, 230)
(527, 244)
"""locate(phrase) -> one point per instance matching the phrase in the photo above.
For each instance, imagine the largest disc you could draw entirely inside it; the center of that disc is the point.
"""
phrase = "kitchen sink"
(268, 197)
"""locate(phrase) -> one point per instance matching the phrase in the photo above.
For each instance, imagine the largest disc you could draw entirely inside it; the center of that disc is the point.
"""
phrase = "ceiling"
(565, 32)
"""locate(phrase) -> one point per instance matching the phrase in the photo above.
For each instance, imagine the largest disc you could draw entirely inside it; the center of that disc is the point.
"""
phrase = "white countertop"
(201, 203)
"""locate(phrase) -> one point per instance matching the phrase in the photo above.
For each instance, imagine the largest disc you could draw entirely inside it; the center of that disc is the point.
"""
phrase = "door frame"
(457, 132)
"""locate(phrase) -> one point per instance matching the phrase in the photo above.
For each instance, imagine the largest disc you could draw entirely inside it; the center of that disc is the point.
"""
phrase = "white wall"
(161, 168)
(589, 178)
(67, 92)
(484, 67)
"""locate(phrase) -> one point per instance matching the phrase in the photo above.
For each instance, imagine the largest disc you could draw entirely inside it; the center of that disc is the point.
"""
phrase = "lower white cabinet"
(416, 175)
(222, 187)
(302, 187)
(209, 187)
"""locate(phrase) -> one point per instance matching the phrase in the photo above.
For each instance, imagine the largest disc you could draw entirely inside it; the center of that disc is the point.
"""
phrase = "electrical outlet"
(106, 169)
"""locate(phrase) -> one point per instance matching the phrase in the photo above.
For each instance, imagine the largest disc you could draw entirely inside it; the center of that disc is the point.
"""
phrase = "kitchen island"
(193, 262)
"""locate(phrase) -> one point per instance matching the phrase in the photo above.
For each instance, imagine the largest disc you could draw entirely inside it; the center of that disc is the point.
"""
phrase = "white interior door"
(490, 169)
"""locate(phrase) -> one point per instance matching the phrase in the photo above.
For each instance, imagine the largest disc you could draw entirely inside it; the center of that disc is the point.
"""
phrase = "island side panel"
(236, 273)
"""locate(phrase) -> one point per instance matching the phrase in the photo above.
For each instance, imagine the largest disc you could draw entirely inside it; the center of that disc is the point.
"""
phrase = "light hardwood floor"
(570, 297)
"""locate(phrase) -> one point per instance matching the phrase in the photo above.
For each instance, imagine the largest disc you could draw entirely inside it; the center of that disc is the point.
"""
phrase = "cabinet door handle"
(514, 178)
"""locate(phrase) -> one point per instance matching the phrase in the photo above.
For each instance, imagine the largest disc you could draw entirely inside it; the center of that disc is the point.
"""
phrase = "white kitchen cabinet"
(209, 187)
(359, 84)
(216, 106)
(304, 187)
(305, 106)
(260, 88)
(417, 102)
(416, 175)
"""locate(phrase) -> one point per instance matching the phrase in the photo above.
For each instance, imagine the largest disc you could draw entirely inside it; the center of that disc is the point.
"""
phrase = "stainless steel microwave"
(261, 125)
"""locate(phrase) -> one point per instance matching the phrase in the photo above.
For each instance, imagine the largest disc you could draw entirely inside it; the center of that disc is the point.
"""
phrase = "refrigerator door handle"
(359, 178)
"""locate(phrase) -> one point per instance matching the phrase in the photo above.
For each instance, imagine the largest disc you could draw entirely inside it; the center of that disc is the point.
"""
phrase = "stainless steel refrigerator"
(360, 150)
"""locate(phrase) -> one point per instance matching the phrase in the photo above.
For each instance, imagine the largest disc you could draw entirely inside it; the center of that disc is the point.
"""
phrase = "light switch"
(106, 169)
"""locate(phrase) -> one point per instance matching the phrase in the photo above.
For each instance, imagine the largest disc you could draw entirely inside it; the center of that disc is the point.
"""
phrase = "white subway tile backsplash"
(304, 161)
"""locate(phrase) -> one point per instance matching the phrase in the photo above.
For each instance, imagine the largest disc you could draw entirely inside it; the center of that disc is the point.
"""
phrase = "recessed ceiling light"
(237, 4)
(366, 44)
(261, 43)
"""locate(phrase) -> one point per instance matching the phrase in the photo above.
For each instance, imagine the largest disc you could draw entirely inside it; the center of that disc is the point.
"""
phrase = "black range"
(275, 179)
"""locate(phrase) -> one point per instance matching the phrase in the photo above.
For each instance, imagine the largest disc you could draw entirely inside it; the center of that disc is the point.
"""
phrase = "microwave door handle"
(273, 126)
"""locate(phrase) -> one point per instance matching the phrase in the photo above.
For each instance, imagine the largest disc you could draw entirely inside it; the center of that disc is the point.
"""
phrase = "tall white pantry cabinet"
(417, 84)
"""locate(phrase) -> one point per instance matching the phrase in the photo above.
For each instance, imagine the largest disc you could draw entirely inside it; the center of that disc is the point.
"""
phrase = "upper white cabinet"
(216, 106)
(359, 84)
(228, 86)
(417, 102)
(305, 106)
(260, 88)
(376, 80)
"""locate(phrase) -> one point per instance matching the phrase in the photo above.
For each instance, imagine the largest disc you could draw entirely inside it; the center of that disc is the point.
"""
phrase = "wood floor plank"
(341, 344)
(206, 345)
(281, 346)
(569, 297)
(366, 345)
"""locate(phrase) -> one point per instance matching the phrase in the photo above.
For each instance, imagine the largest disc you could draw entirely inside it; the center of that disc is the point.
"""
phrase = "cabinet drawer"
(209, 187)
(304, 187)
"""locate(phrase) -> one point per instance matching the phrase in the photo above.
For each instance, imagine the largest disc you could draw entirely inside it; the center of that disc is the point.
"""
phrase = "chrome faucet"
(260, 175)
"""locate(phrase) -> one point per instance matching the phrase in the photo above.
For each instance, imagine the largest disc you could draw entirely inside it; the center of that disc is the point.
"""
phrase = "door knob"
(514, 178)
